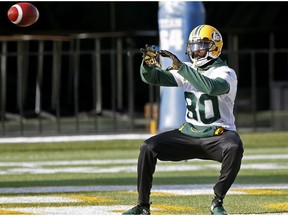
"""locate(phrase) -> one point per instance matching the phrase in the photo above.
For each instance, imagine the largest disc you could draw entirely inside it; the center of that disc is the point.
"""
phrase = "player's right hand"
(150, 56)
(176, 63)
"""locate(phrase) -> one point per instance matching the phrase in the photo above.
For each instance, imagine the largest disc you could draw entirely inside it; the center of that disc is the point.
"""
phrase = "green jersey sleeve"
(156, 76)
(204, 84)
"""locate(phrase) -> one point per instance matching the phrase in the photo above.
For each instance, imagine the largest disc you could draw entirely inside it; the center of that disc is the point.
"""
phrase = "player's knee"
(148, 145)
(147, 149)
(233, 144)
(234, 149)
(144, 146)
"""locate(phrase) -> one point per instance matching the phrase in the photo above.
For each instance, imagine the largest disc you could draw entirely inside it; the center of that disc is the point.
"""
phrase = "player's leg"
(227, 149)
(167, 146)
(232, 151)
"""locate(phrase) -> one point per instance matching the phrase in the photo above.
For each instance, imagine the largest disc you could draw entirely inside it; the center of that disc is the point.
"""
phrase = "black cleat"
(217, 207)
(138, 210)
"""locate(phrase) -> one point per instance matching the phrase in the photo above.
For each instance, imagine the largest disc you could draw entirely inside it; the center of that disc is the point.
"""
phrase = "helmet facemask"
(196, 49)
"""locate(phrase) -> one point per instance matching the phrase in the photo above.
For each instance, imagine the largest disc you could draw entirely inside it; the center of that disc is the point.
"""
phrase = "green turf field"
(100, 178)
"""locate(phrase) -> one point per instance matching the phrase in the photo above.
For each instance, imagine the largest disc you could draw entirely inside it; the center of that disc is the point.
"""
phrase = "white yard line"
(73, 210)
(71, 138)
(125, 165)
(162, 188)
(122, 161)
(36, 199)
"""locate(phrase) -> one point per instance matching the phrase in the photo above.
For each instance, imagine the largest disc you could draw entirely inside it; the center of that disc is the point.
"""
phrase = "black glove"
(150, 56)
(176, 63)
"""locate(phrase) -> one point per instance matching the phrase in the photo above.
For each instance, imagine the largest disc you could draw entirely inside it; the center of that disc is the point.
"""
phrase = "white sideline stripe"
(126, 165)
(265, 157)
(68, 163)
(121, 161)
(9, 140)
(39, 167)
(132, 168)
(162, 188)
(36, 199)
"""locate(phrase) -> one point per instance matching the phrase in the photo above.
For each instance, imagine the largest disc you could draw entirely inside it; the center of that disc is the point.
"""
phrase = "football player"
(209, 132)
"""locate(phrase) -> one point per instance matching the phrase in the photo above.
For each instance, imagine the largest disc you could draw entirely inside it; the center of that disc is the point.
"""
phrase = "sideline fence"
(89, 83)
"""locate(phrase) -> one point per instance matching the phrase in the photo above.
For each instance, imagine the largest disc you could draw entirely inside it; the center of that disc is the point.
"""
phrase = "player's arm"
(209, 86)
(156, 76)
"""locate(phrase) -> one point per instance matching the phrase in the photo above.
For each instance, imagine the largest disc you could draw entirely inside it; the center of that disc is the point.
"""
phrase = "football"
(23, 14)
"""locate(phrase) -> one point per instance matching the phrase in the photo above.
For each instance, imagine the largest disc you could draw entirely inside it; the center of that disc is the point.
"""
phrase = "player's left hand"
(176, 63)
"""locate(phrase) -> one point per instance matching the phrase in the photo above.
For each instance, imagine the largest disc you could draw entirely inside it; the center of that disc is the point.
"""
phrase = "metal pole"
(3, 84)
(96, 82)
(119, 75)
(130, 88)
(76, 82)
(113, 85)
(271, 66)
(253, 90)
(20, 81)
(98, 78)
(235, 64)
(56, 81)
(38, 108)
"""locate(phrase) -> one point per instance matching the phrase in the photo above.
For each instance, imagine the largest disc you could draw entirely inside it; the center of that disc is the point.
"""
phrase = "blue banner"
(175, 20)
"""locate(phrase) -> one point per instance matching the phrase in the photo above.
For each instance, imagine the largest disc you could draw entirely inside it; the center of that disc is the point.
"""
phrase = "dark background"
(255, 18)
(75, 17)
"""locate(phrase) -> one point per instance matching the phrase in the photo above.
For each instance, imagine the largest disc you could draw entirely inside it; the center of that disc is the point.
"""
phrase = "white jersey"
(203, 109)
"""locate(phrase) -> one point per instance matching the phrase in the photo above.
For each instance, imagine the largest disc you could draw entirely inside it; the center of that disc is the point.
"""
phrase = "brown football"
(23, 14)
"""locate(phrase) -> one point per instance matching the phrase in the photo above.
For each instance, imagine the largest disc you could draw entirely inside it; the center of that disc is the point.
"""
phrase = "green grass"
(259, 202)
(265, 139)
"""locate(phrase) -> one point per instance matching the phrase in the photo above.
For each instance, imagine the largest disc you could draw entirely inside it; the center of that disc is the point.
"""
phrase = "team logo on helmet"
(216, 36)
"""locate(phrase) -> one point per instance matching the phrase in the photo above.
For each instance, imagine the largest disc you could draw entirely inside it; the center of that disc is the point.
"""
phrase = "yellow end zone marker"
(162, 194)
(173, 207)
(8, 212)
(166, 209)
(89, 198)
(277, 206)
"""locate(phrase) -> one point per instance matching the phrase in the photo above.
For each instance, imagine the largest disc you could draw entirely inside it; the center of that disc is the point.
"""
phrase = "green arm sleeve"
(156, 76)
(209, 86)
